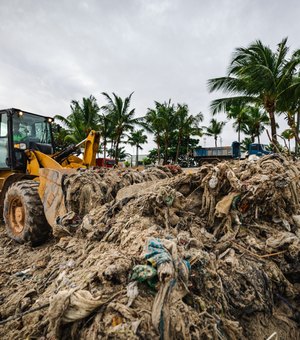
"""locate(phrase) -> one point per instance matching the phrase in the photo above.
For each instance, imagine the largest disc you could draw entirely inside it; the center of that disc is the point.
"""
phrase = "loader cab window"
(3, 141)
(29, 129)
(3, 125)
(258, 147)
(18, 132)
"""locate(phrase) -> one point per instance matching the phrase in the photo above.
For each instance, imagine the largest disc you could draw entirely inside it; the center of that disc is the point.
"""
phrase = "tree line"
(260, 84)
(171, 125)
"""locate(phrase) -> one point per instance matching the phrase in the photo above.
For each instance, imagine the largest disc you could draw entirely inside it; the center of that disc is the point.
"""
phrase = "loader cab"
(20, 130)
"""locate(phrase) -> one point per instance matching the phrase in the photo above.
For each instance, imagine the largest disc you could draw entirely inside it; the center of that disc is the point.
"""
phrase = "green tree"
(121, 117)
(121, 153)
(185, 125)
(163, 125)
(257, 75)
(153, 124)
(215, 129)
(83, 118)
(289, 105)
(137, 138)
(167, 112)
(246, 143)
(254, 122)
(288, 134)
(106, 130)
(59, 136)
(146, 161)
(238, 113)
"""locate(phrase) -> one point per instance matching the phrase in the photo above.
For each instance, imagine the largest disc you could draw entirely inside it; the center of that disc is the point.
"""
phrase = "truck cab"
(109, 162)
(258, 150)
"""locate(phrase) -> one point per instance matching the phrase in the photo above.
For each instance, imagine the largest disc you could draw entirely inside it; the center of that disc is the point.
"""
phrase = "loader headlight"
(21, 146)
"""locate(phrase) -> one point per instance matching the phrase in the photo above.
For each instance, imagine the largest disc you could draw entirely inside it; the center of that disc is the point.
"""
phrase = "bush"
(146, 161)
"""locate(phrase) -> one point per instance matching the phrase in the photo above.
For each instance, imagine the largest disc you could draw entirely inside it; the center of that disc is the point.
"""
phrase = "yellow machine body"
(45, 169)
(31, 173)
(49, 173)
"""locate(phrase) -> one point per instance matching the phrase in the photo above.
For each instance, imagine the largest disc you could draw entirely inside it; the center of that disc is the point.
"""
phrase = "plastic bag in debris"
(143, 273)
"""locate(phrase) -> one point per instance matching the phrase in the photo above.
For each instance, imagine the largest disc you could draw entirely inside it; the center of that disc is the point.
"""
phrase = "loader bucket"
(51, 193)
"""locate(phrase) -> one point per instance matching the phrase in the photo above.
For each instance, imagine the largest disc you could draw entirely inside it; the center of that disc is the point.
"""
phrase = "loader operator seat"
(18, 136)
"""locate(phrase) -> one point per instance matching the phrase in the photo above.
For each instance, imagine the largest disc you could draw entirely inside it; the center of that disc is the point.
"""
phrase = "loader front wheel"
(23, 213)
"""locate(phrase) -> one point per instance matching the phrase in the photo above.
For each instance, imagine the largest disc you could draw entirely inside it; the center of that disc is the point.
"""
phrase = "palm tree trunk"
(104, 152)
(158, 147)
(273, 128)
(158, 153)
(166, 151)
(187, 145)
(117, 152)
(239, 132)
(177, 150)
(297, 134)
(216, 141)
(137, 156)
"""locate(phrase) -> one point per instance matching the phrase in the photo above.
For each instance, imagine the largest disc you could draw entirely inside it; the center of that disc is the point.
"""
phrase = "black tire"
(23, 213)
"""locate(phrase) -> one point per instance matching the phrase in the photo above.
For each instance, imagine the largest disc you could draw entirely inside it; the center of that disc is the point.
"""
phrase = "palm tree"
(289, 105)
(136, 139)
(166, 112)
(121, 153)
(239, 114)
(121, 116)
(257, 75)
(245, 145)
(288, 134)
(105, 129)
(161, 122)
(83, 118)
(215, 129)
(153, 124)
(254, 122)
(59, 135)
(186, 125)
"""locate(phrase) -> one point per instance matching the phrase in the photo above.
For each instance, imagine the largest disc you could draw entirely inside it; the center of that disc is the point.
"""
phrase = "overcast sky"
(55, 51)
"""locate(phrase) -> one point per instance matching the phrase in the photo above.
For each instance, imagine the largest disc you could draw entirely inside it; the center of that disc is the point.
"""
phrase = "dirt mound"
(212, 254)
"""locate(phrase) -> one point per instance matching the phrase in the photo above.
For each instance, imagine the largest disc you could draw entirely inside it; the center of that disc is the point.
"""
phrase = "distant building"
(132, 159)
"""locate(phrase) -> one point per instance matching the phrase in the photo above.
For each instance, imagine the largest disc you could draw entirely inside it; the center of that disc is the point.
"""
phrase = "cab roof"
(13, 110)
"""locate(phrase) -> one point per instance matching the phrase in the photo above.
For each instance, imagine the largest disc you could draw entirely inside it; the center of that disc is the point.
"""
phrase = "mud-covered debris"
(209, 254)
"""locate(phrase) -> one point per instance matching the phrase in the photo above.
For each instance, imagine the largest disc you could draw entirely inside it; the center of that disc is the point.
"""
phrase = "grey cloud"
(56, 51)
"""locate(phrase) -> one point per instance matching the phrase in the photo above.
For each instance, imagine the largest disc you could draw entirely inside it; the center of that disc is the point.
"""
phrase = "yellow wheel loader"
(31, 172)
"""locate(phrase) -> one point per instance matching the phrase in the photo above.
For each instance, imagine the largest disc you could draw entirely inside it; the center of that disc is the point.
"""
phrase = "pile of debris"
(212, 254)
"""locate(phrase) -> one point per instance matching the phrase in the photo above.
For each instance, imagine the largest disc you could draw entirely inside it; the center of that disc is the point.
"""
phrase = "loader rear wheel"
(23, 213)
